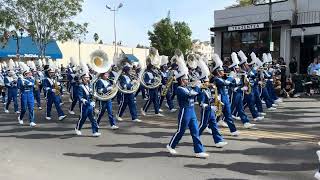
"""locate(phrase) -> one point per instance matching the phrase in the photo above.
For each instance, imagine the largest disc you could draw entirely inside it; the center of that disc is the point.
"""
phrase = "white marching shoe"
(208, 130)
(62, 117)
(262, 114)
(258, 118)
(173, 110)
(275, 105)
(96, 134)
(6, 110)
(114, 127)
(20, 120)
(236, 117)
(222, 124)
(32, 124)
(248, 125)
(48, 118)
(160, 110)
(171, 151)
(40, 108)
(71, 112)
(137, 120)
(272, 108)
(220, 144)
(119, 118)
(317, 175)
(318, 153)
(143, 112)
(202, 155)
(78, 132)
(160, 115)
(236, 133)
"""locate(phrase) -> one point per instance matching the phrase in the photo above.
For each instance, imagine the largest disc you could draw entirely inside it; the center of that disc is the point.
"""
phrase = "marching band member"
(10, 82)
(178, 56)
(208, 108)
(2, 85)
(26, 85)
(104, 85)
(249, 95)
(74, 83)
(127, 82)
(151, 73)
(238, 88)
(262, 85)
(270, 75)
(167, 81)
(52, 88)
(187, 115)
(37, 75)
(87, 103)
(221, 84)
(70, 73)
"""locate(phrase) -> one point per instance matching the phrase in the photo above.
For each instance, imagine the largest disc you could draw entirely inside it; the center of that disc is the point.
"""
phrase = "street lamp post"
(16, 37)
(114, 10)
(270, 25)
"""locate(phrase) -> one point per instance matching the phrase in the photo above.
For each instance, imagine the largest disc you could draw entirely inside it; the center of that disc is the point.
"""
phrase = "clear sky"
(136, 17)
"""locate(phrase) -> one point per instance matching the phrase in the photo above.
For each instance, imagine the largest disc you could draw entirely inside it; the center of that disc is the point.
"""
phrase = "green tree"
(96, 37)
(45, 20)
(167, 36)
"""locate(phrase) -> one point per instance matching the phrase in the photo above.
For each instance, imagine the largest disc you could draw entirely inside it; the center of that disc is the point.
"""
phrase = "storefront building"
(295, 30)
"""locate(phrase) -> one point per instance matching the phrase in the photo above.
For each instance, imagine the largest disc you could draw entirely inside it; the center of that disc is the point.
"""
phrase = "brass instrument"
(157, 78)
(101, 64)
(134, 80)
(217, 102)
(168, 85)
(247, 83)
(57, 87)
(37, 83)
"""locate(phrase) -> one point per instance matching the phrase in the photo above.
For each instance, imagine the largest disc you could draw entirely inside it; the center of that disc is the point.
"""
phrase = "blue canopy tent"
(132, 58)
(29, 49)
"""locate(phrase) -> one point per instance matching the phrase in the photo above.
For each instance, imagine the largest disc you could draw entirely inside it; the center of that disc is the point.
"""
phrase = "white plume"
(205, 72)
(235, 60)
(253, 58)
(11, 65)
(164, 60)
(243, 57)
(217, 60)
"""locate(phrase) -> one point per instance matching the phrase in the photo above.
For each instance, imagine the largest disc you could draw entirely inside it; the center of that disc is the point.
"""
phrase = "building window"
(250, 41)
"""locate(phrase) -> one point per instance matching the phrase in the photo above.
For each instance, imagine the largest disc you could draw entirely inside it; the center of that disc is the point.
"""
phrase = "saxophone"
(57, 87)
(168, 85)
(247, 83)
(217, 102)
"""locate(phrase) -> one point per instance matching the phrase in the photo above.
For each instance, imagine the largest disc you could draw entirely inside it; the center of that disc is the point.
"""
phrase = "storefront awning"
(28, 49)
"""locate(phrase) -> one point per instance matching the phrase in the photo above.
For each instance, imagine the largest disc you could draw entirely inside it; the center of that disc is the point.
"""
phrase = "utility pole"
(270, 26)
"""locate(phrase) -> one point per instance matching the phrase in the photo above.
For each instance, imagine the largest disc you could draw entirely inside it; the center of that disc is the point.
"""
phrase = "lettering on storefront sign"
(245, 27)
(27, 55)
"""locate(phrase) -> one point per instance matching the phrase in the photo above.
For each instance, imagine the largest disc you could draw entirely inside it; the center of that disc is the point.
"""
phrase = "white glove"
(204, 105)
(54, 90)
(245, 88)
(93, 104)
(214, 108)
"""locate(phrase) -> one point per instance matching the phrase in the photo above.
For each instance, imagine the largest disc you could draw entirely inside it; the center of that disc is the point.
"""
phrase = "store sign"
(246, 27)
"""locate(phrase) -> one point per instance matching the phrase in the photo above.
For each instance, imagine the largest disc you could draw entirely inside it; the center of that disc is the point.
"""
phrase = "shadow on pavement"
(119, 157)
(250, 168)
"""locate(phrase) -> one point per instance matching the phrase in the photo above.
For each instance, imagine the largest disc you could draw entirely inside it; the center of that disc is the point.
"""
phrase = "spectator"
(283, 72)
(289, 90)
(293, 66)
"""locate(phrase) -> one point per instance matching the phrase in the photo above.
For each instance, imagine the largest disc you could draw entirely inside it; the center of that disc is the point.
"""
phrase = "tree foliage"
(167, 36)
(96, 37)
(45, 20)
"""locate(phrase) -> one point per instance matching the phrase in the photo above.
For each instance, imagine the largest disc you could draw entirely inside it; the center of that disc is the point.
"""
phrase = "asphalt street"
(282, 146)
